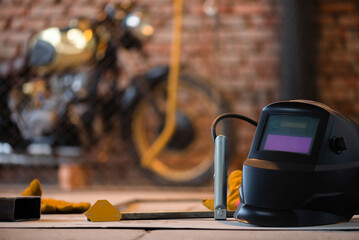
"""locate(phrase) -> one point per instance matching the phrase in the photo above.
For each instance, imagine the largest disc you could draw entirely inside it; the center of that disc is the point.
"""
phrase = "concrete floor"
(75, 226)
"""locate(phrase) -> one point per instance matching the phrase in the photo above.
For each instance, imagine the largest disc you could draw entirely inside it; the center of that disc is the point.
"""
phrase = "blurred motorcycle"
(68, 94)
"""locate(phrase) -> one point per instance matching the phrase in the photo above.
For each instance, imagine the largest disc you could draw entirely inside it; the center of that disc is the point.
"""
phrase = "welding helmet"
(302, 168)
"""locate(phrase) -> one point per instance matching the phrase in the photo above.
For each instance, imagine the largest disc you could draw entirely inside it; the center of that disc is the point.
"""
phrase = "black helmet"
(302, 169)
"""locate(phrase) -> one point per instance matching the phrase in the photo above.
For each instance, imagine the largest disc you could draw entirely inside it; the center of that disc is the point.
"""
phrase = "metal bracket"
(103, 211)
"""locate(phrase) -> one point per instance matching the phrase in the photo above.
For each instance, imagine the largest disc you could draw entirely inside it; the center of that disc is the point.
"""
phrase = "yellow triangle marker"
(103, 211)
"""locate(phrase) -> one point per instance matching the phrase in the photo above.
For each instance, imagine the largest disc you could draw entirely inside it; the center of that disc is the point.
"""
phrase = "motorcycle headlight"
(138, 24)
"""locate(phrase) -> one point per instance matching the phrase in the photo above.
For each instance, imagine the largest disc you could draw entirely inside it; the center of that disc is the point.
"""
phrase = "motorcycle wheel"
(187, 158)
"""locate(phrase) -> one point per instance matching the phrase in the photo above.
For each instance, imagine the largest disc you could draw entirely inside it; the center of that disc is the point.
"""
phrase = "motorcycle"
(67, 98)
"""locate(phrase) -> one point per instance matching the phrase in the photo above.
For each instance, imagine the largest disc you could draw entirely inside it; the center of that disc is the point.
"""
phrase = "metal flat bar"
(124, 205)
(170, 215)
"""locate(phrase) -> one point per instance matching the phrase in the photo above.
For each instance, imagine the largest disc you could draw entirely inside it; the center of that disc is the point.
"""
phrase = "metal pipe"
(298, 52)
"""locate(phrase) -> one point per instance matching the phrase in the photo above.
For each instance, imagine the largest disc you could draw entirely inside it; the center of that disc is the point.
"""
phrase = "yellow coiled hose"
(173, 78)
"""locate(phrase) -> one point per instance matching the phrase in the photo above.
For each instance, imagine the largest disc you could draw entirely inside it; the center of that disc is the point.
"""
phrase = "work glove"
(234, 181)
(51, 206)
(34, 189)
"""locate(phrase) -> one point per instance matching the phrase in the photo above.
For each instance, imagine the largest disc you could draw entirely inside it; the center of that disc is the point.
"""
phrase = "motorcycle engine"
(38, 105)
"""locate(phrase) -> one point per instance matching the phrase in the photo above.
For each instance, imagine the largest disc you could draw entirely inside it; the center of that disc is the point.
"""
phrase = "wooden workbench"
(76, 226)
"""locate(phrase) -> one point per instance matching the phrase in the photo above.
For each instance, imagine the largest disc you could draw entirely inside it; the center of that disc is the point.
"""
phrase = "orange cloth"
(234, 181)
(52, 205)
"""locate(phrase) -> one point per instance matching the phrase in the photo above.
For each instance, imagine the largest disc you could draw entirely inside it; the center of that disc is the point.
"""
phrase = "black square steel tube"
(20, 208)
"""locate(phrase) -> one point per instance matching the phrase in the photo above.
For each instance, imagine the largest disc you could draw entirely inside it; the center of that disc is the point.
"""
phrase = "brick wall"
(338, 59)
(241, 54)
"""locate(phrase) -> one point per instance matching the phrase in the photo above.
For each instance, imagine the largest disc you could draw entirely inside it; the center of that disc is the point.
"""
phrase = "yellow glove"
(234, 181)
(52, 205)
(57, 206)
(34, 189)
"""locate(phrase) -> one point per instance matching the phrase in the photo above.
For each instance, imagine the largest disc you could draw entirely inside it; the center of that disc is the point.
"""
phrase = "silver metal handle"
(220, 178)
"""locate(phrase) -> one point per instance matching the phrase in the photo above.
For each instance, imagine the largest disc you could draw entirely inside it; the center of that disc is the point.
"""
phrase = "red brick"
(349, 20)
(326, 20)
(79, 2)
(35, 25)
(192, 22)
(7, 52)
(225, 9)
(162, 37)
(83, 11)
(164, 11)
(333, 33)
(46, 2)
(3, 24)
(356, 110)
(17, 23)
(14, 2)
(12, 11)
(58, 22)
(47, 11)
(28, 24)
(338, 7)
(251, 8)
(197, 10)
(18, 37)
(353, 82)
